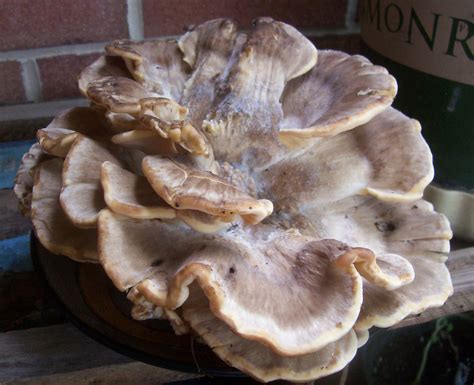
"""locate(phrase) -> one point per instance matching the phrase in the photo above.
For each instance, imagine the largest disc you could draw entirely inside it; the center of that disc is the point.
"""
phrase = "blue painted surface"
(15, 254)
(10, 157)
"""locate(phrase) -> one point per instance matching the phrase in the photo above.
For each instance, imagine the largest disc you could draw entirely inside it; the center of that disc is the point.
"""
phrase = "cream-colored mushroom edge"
(248, 188)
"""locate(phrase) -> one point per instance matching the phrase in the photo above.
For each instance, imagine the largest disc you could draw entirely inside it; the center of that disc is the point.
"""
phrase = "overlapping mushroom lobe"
(82, 196)
(256, 359)
(207, 49)
(158, 65)
(52, 226)
(386, 157)
(248, 110)
(130, 194)
(284, 290)
(340, 93)
(56, 139)
(187, 188)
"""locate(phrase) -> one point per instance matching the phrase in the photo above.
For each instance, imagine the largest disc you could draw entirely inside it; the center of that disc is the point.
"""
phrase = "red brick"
(11, 83)
(59, 75)
(40, 23)
(169, 17)
(346, 43)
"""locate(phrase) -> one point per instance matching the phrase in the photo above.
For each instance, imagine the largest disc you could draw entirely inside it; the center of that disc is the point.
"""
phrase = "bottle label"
(432, 36)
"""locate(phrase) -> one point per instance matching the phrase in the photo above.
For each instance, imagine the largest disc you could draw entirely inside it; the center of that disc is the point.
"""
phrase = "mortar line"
(31, 80)
(316, 32)
(135, 19)
(75, 49)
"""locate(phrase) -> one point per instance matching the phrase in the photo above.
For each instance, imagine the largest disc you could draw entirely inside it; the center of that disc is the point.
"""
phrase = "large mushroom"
(247, 188)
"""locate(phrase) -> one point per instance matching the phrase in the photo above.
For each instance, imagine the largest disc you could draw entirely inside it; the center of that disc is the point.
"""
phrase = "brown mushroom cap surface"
(207, 50)
(340, 93)
(386, 157)
(131, 195)
(284, 290)
(52, 227)
(248, 110)
(256, 359)
(56, 141)
(185, 188)
(384, 308)
(82, 196)
(145, 141)
(158, 65)
(118, 94)
(102, 67)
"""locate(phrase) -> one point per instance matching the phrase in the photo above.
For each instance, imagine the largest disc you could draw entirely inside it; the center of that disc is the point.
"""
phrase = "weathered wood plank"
(61, 355)
(51, 350)
(131, 373)
(12, 223)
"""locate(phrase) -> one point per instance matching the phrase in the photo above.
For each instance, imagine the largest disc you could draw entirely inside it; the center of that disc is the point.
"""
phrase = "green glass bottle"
(428, 45)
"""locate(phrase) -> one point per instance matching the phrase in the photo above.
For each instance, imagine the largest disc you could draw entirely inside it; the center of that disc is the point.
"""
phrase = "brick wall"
(45, 43)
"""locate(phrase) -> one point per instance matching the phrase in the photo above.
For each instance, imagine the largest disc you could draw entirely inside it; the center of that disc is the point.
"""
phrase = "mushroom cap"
(82, 196)
(85, 120)
(384, 308)
(386, 157)
(204, 223)
(56, 141)
(51, 225)
(248, 108)
(249, 189)
(207, 50)
(102, 67)
(145, 141)
(118, 94)
(314, 303)
(185, 188)
(389, 271)
(124, 122)
(129, 194)
(362, 337)
(340, 93)
(158, 65)
(259, 361)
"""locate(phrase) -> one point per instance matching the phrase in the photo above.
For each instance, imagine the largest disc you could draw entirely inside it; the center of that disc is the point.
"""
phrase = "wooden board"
(61, 354)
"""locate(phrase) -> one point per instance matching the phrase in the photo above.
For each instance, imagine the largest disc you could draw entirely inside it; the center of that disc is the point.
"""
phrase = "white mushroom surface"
(249, 189)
